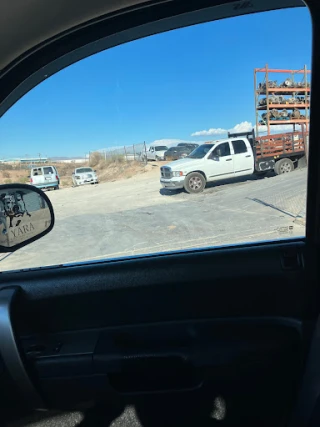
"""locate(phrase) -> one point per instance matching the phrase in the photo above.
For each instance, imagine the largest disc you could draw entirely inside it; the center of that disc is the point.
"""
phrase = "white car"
(84, 175)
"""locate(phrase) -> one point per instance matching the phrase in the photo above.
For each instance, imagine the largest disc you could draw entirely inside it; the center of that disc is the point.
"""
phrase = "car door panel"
(171, 357)
(235, 321)
(102, 333)
(220, 166)
(119, 282)
(243, 161)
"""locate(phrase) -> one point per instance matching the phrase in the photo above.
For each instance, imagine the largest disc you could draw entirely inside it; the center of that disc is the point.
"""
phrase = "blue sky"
(167, 86)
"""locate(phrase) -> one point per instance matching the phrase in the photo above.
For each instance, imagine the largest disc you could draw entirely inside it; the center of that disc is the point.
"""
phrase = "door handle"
(228, 160)
(249, 155)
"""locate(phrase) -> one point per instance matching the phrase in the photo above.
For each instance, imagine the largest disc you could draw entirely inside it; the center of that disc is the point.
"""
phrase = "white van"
(45, 177)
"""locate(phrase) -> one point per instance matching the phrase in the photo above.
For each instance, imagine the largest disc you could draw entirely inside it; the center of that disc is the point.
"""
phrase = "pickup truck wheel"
(283, 166)
(195, 183)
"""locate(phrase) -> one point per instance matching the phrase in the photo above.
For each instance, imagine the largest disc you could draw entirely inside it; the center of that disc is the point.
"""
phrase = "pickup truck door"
(243, 161)
(220, 162)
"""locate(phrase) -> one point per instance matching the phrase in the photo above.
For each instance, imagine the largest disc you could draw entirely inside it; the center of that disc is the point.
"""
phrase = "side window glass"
(222, 150)
(239, 147)
(127, 116)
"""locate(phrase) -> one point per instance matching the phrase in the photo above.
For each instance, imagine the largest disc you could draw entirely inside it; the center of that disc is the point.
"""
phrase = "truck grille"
(166, 172)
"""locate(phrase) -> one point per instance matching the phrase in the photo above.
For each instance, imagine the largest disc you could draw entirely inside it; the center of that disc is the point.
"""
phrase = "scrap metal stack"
(276, 114)
(287, 101)
(280, 99)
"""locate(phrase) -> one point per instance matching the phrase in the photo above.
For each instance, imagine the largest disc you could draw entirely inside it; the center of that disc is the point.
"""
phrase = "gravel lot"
(134, 216)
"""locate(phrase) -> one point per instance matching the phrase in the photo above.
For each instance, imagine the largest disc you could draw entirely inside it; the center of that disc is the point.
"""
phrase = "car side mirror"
(26, 215)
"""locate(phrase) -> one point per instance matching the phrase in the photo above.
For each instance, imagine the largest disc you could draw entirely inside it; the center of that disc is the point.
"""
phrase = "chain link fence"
(134, 152)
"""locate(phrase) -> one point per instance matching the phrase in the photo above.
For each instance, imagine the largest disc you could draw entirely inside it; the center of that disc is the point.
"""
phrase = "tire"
(283, 166)
(56, 187)
(157, 159)
(195, 183)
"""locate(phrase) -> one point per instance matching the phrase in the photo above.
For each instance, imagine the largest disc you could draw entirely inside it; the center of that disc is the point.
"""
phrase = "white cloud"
(276, 128)
(209, 132)
(243, 127)
(247, 127)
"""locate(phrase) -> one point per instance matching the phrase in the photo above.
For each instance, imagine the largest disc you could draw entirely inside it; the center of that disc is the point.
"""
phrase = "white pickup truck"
(155, 152)
(233, 157)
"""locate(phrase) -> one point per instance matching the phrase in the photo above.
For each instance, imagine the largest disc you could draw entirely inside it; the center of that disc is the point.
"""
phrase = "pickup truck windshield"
(200, 152)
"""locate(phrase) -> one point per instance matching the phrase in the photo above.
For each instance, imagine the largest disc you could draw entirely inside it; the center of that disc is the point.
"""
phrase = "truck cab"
(209, 162)
(156, 152)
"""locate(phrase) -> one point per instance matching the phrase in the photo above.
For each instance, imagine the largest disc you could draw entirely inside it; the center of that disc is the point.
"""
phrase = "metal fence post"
(125, 152)
(134, 153)
(145, 153)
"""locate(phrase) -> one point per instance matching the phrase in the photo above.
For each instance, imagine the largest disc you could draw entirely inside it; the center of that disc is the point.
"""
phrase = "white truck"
(238, 155)
(155, 152)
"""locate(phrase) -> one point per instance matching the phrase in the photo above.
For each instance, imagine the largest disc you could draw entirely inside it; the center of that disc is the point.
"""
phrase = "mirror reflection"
(24, 214)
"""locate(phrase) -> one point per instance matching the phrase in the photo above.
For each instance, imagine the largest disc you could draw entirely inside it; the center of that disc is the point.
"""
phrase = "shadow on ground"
(168, 192)
(221, 183)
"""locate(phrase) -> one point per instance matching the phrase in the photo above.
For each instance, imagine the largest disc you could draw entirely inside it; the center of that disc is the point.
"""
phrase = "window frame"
(313, 216)
(233, 148)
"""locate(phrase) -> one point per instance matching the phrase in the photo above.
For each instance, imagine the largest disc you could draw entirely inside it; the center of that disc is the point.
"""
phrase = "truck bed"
(280, 145)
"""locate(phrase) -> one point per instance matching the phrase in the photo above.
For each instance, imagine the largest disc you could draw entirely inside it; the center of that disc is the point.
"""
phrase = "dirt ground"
(107, 171)
(135, 216)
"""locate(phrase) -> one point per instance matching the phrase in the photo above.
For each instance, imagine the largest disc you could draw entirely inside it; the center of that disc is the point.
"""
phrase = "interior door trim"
(9, 350)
